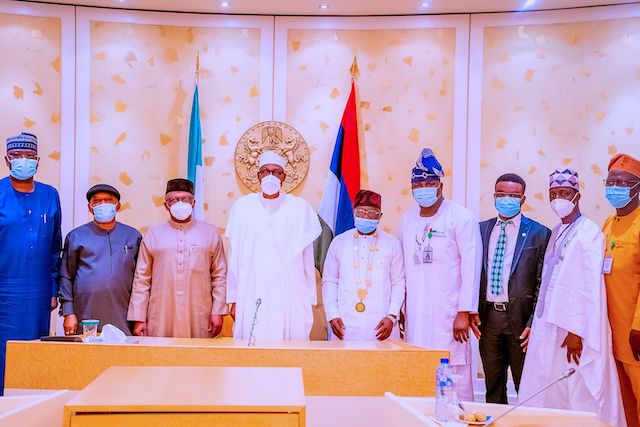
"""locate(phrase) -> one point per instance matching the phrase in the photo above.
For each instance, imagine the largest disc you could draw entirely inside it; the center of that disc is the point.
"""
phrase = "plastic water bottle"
(444, 391)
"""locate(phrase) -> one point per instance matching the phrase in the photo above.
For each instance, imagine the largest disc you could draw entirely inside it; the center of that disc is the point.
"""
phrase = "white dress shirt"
(513, 226)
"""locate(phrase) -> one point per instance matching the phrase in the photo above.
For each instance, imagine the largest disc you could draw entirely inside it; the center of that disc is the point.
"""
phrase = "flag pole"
(194, 156)
(197, 67)
(355, 72)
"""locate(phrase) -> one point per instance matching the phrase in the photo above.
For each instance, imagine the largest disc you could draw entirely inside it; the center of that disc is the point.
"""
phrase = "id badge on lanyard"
(427, 255)
(607, 263)
(424, 256)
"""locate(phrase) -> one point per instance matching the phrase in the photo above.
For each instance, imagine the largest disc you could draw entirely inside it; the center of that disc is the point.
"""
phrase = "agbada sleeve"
(396, 271)
(139, 302)
(330, 283)
(467, 233)
(218, 271)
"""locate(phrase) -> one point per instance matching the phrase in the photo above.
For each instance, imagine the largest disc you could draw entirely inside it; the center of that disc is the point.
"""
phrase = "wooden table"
(194, 396)
(329, 368)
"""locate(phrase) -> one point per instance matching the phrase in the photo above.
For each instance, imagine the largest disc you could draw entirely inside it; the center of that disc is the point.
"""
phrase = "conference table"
(329, 368)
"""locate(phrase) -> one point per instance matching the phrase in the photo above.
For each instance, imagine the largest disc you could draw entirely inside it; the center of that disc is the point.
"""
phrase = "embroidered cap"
(24, 141)
(368, 198)
(426, 166)
(565, 177)
(271, 158)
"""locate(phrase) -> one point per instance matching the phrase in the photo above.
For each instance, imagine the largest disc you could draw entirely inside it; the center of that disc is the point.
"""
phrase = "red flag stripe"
(350, 147)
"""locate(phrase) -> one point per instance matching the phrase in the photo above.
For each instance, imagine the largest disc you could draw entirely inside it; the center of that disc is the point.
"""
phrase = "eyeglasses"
(184, 199)
(368, 213)
(15, 156)
(514, 195)
(277, 172)
(95, 202)
(620, 182)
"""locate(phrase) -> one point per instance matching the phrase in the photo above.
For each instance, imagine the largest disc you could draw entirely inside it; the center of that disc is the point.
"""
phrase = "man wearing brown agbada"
(180, 284)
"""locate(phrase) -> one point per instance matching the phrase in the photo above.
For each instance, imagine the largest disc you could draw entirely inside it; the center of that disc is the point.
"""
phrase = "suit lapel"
(486, 236)
(523, 234)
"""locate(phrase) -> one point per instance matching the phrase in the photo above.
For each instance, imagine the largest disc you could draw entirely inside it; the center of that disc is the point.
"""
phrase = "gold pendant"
(360, 307)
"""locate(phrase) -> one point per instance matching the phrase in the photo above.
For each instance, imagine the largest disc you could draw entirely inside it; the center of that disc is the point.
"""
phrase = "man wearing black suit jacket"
(514, 248)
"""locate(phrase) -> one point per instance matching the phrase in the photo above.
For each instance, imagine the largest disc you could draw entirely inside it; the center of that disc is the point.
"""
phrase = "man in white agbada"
(363, 277)
(442, 260)
(271, 266)
(570, 327)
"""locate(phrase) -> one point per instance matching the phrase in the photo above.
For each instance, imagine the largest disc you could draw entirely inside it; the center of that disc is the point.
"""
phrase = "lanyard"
(427, 232)
(555, 243)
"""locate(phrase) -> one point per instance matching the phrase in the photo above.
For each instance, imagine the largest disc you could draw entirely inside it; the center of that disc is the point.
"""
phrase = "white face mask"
(563, 207)
(181, 211)
(270, 185)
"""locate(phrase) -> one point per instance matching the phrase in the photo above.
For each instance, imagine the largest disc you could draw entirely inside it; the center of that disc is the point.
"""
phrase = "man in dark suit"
(514, 248)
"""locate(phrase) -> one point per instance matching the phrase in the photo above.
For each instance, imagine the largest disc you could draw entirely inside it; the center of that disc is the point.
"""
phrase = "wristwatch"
(393, 319)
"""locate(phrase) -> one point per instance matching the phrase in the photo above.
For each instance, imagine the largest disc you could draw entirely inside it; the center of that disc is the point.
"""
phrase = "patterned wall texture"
(562, 95)
(142, 81)
(406, 95)
(553, 95)
(30, 87)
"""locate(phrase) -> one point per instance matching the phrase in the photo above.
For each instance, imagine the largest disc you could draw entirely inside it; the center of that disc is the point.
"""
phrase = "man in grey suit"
(514, 248)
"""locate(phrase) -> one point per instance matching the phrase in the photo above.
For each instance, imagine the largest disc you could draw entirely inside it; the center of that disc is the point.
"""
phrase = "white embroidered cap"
(271, 158)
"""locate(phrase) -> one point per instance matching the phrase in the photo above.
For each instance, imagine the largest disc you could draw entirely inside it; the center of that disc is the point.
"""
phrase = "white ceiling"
(342, 7)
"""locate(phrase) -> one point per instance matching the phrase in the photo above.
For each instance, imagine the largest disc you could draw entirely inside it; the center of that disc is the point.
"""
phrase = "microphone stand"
(252, 339)
(564, 376)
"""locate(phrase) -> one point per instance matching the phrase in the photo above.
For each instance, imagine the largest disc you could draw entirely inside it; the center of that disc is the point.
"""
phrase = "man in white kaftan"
(363, 278)
(271, 271)
(442, 259)
(570, 327)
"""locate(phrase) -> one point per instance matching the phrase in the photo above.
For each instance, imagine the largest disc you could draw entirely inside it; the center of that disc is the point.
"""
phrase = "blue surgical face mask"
(366, 226)
(618, 197)
(23, 169)
(425, 196)
(104, 212)
(508, 206)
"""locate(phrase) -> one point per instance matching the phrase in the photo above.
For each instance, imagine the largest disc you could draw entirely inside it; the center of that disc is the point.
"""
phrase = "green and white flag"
(194, 167)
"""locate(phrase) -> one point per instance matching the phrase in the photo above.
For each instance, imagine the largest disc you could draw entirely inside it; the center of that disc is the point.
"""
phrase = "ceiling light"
(528, 4)
(323, 6)
(225, 4)
(424, 4)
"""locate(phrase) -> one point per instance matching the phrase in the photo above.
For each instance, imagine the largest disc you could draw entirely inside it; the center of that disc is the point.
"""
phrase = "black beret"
(179, 184)
(102, 188)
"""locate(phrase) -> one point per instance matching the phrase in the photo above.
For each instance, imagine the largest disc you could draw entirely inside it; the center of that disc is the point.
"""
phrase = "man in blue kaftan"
(30, 243)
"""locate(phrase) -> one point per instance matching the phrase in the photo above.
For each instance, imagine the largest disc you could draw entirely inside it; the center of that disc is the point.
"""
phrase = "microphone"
(252, 339)
(566, 374)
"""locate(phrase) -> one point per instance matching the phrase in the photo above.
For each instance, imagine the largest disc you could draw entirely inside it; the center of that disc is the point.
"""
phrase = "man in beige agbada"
(180, 283)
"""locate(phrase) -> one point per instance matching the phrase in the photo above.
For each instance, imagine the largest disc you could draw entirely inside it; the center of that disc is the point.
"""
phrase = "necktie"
(498, 260)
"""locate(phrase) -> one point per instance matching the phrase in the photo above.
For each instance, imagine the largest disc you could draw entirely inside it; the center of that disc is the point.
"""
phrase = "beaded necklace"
(363, 292)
